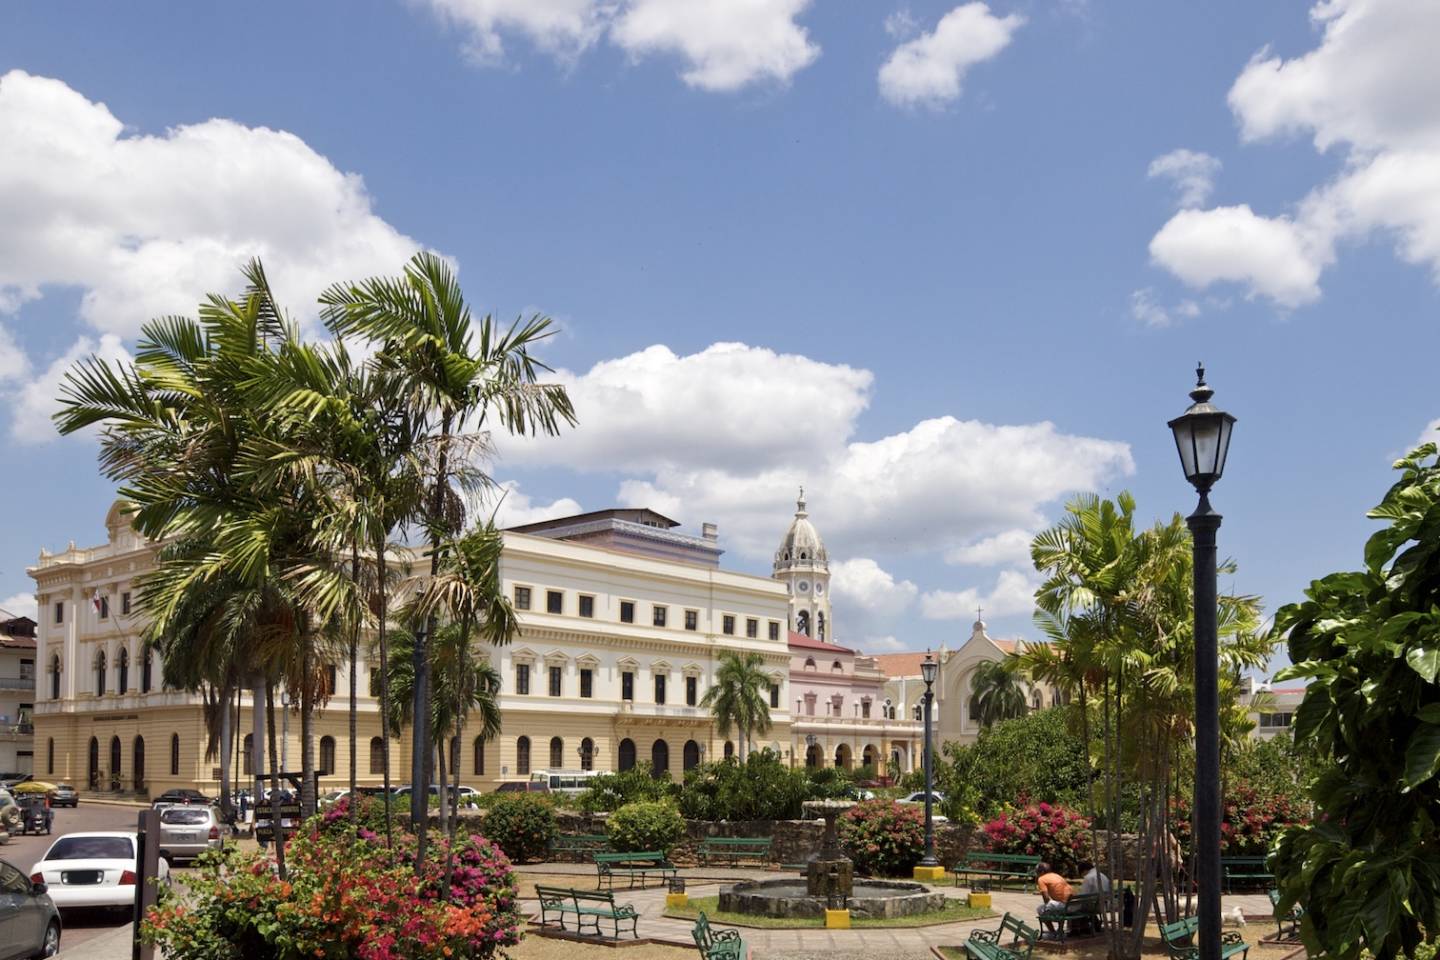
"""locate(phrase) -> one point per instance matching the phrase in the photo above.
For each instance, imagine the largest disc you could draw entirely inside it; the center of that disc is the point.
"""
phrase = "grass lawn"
(954, 912)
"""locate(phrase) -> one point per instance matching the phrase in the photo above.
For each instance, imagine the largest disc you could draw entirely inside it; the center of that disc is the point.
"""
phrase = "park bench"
(717, 944)
(1179, 941)
(735, 849)
(996, 867)
(1250, 870)
(638, 864)
(990, 945)
(588, 906)
(1291, 919)
(1081, 915)
(578, 844)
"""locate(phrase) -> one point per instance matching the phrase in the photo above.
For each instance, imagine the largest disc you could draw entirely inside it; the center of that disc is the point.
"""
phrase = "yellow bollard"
(837, 919)
(929, 874)
(976, 900)
(676, 900)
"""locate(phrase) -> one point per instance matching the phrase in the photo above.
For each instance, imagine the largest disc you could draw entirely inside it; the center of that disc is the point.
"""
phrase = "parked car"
(188, 831)
(65, 795)
(918, 796)
(466, 794)
(181, 797)
(91, 870)
(523, 786)
(29, 921)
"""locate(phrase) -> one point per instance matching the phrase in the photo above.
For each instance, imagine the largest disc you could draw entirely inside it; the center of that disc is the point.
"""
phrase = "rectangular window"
(555, 673)
(522, 598)
(587, 606)
(865, 709)
(774, 696)
(692, 619)
(554, 601)
(27, 669)
(522, 678)
(105, 608)
(692, 690)
(627, 611)
(774, 629)
(658, 617)
(727, 624)
(752, 628)
(60, 612)
(627, 685)
(125, 603)
(587, 683)
(660, 688)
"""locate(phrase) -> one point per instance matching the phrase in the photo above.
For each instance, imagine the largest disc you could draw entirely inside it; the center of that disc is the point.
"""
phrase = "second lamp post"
(929, 867)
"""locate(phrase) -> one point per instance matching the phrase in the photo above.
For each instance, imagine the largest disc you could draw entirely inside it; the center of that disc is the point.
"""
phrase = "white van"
(568, 782)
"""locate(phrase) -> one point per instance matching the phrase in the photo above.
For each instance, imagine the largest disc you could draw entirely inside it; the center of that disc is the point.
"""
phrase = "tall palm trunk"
(354, 673)
(382, 569)
(420, 715)
(257, 735)
(276, 830)
(307, 729)
(454, 824)
(226, 734)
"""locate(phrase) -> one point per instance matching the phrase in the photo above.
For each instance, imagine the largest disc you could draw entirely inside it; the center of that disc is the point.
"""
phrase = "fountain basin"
(869, 899)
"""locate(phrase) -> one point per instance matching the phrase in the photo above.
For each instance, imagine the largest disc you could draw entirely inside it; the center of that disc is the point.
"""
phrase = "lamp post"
(929, 868)
(285, 730)
(1202, 437)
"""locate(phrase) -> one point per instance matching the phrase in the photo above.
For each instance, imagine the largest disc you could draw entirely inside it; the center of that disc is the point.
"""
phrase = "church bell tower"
(803, 566)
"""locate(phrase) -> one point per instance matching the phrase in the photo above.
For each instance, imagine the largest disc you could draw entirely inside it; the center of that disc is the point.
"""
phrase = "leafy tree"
(996, 691)
(611, 791)
(762, 788)
(1034, 758)
(1368, 642)
(738, 697)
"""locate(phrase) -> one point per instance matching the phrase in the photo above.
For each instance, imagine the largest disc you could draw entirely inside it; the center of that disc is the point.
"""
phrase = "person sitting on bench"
(1094, 881)
(1054, 891)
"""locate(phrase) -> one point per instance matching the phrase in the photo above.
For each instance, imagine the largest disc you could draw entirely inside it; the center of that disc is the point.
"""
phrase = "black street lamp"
(929, 867)
(1202, 435)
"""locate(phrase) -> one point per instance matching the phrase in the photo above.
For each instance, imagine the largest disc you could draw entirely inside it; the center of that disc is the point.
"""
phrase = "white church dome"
(802, 543)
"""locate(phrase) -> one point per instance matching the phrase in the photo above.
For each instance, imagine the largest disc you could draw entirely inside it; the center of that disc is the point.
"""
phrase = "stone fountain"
(829, 884)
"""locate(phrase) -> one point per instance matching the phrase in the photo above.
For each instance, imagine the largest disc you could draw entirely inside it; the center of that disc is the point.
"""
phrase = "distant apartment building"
(17, 695)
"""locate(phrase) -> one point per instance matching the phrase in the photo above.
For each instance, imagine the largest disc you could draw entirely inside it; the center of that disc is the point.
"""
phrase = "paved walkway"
(896, 943)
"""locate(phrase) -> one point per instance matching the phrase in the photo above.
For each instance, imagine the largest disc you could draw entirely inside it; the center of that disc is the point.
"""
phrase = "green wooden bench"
(589, 908)
(997, 867)
(1251, 870)
(1291, 919)
(1081, 915)
(990, 945)
(639, 864)
(717, 944)
(1179, 941)
(578, 844)
(735, 849)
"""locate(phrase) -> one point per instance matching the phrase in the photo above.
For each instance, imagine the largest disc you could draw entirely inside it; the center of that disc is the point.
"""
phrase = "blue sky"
(941, 263)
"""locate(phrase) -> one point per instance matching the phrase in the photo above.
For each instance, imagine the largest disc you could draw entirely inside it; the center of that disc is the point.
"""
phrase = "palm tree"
(452, 370)
(996, 691)
(738, 699)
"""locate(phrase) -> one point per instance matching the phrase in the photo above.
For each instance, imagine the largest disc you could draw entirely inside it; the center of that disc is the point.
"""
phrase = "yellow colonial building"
(623, 621)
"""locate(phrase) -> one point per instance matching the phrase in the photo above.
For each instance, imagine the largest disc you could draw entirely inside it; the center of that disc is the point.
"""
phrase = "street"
(23, 852)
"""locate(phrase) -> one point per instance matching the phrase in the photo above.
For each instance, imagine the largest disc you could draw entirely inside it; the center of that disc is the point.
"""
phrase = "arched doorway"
(114, 763)
(557, 753)
(122, 683)
(871, 758)
(842, 756)
(94, 776)
(692, 755)
(729, 749)
(587, 754)
(137, 756)
(626, 755)
(814, 757)
(659, 758)
(327, 756)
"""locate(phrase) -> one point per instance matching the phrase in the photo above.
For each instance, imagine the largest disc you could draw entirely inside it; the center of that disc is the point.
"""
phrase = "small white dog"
(1235, 918)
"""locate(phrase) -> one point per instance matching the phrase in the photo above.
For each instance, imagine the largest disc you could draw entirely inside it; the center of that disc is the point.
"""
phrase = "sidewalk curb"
(136, 804)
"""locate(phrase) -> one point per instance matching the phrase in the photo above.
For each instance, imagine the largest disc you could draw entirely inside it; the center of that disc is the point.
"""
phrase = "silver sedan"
(188, 831)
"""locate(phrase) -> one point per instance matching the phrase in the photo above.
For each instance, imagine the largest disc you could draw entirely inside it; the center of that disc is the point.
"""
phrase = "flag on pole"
(95, 600)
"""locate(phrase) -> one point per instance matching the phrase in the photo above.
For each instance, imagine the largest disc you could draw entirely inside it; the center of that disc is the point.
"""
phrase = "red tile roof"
(802, 642)
(900, 664)
(17, 643)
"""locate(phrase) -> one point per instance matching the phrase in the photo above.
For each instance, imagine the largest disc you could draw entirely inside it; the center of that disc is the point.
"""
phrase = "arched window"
(587, 754)
(557, 753)
(974, 707)
(479, 760)
(626, 755)
(327, 756)
(691, 758)
(99, 673)
(55, 677)
(810, 664)
(1055, 697)
(729, 749)
(145, 661)
(820, 625)
(837, 667)
(247, 756)
(1036, 700)
(522, 756)
(50, 755)
(123, 680)
(659, 758)
(813, 757)
(842, 756)
(377, 756)
(802, 622)
(137, 756)
(175, 755)
(115, 763)
(94, 776)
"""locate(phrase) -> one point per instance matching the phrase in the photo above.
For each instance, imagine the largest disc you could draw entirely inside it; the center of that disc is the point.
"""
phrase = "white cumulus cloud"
(512, 508)
(725, 44)
(1191, 172)
(20, 605)
(1271, 256)
(34, 400)
(930, 69)
(1148, 310)
(1431, 433)
(868, 601)
(1006, 547)
(1013, 593)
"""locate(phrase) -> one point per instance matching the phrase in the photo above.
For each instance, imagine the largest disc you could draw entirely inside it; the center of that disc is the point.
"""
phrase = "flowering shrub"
(346, 898)
(882, 837)
(611, 791)
(1057, 835)
(648, 825)
(522, 826)
(369, 818)
(1252, 820)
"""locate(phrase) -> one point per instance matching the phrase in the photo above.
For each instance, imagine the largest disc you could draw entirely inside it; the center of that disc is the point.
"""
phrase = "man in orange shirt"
(1054, 891)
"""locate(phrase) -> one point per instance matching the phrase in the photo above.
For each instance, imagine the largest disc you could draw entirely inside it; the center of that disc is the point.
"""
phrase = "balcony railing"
(11, 731)
(17, 683)
(660, 710)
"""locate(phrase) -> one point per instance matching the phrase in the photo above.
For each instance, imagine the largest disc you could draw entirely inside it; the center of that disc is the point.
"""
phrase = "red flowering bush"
(346, 898)
(882, 837)
(1252, 820)
(1057, 835)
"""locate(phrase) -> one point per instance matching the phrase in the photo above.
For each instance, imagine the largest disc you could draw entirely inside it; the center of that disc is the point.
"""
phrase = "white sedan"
(91, 870)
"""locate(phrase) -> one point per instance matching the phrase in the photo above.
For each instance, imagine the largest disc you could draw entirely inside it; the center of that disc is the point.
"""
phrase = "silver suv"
(187, 832)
